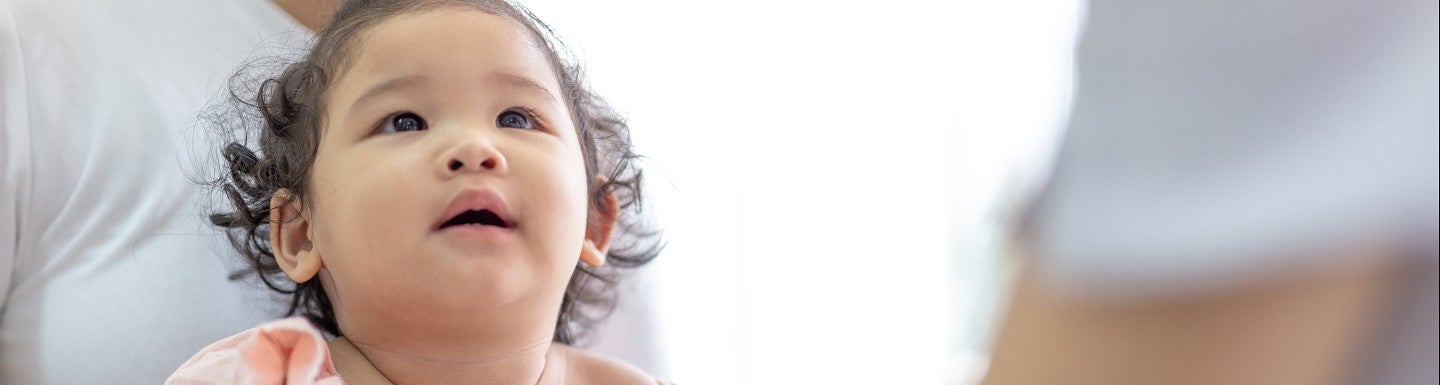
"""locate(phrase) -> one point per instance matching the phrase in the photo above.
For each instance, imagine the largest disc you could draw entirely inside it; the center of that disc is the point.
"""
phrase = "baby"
(441, 188)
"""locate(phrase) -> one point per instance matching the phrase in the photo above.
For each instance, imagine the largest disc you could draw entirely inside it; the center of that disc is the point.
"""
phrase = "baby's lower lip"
(476, 230)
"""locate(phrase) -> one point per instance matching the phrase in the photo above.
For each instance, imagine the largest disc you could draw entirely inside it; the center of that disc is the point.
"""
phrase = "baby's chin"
(467, 290)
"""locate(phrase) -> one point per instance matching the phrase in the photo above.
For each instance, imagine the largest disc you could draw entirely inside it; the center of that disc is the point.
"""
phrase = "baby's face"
(445, 112)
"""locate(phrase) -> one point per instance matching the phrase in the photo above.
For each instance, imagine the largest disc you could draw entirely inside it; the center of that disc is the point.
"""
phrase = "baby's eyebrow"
(503, 78)
(518, 81)
(387, 86)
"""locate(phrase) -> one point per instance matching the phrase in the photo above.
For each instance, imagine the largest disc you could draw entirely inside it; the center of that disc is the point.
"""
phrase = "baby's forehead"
(450, 42)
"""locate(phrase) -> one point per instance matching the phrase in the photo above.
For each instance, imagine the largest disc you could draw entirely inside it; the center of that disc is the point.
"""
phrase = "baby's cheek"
(564, 199)
(576, 195)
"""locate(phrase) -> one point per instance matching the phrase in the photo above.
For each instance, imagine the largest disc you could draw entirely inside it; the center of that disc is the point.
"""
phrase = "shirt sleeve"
(1219, 142)
(14, 149)
(288, 351)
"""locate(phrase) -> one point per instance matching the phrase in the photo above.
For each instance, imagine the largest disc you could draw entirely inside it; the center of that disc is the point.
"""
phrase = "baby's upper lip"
(477, 199)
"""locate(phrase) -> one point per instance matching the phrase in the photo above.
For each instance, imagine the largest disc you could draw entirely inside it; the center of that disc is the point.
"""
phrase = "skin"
(313, 14)
(1306, 328)
(420, 305)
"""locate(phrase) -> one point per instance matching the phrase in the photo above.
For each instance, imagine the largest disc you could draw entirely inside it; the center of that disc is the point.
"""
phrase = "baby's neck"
(360, 364)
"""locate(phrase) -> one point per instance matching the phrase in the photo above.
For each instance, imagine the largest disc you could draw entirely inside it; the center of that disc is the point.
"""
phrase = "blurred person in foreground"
(1246, 194)
(108, 274)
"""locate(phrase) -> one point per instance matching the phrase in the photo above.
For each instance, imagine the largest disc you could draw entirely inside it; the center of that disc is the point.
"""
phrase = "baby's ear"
(599, 226)
(290, 238)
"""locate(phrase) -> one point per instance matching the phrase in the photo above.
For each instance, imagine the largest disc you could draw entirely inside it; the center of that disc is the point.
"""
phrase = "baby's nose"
(456, 164)
(473, 155)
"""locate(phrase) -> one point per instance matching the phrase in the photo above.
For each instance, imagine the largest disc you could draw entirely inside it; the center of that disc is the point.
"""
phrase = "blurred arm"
(1303, 329)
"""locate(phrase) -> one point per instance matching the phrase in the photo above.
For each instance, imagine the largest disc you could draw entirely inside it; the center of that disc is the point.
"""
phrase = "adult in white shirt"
(1246, 195)
(108, 272)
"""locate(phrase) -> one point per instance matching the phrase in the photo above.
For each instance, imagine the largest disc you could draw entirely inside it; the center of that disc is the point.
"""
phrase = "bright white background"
(830, 175)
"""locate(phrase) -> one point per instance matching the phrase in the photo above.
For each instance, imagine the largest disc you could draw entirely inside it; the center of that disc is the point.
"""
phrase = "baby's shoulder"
(585, 368)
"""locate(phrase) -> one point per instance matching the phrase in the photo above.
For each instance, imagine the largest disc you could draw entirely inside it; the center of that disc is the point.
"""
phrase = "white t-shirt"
(108, 272)
(1214, 144)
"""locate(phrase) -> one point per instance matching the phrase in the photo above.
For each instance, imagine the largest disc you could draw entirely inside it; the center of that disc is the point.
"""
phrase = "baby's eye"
(513, 119)
(405, 121)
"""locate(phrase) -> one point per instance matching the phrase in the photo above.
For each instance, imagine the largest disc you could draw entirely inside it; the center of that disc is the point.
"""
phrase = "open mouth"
(481, 217)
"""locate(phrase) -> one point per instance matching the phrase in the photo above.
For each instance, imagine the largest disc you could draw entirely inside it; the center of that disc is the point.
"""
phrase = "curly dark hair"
(287, 111)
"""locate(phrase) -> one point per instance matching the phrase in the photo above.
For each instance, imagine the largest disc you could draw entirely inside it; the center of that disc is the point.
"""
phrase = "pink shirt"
(288, 351)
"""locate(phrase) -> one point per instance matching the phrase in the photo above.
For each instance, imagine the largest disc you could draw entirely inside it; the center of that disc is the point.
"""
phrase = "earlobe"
(591, 254)
(601, 226)
(290, 239)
